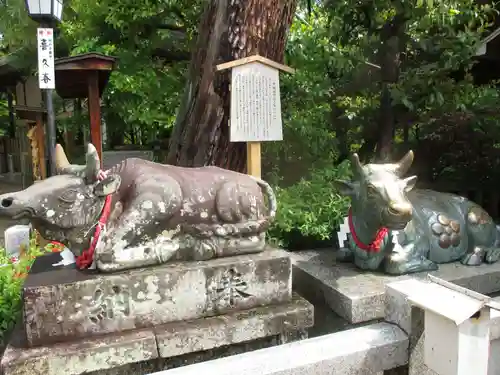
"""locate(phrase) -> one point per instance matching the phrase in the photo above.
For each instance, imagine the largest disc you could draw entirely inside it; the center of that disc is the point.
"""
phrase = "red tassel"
(85, 260)
(374, 246)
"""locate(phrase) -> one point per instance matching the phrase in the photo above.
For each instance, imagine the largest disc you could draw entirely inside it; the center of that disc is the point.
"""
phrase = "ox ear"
(107, 186)
(345, 187)
(409, 183)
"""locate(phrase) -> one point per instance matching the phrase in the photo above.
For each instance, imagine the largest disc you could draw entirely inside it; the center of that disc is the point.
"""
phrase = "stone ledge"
(185, 337)
(359, 296)
(62, 304)
(361, 351)
(398, 309)
(167, 341)
(78, 357)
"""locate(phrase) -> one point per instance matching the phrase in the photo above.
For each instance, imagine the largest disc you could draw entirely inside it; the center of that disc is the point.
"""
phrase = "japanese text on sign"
(255, 104)
(46, 71)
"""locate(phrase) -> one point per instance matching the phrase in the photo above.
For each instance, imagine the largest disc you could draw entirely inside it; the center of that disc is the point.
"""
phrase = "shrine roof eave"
(73, 73)
(29, 113)
(13, 68)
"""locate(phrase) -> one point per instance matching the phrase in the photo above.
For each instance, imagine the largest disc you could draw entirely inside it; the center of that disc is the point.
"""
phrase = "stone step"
(368, 350)
(359, 296)
(147, 350)
(65, 303)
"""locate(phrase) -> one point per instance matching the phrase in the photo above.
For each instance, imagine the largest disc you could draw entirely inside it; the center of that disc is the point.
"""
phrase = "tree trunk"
(406, 134)
(391, 38)
(229, 30)
(340, 126)
(369, 135)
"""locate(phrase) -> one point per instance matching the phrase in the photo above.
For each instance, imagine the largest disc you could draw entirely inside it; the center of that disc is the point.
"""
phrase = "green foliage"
(151, 42)
(312, 207)
(336, 90)
(331, 106)
(144, 91)
(12, 275)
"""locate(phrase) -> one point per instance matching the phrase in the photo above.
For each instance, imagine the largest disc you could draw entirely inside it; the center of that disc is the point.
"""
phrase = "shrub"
(12, 275)
(311, 209)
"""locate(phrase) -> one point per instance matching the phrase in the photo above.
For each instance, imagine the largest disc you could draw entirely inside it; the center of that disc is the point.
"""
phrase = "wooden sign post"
(255, 115)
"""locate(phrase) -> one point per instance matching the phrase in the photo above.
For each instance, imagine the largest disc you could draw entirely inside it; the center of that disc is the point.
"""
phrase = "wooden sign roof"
(255, 58)
(72, 73)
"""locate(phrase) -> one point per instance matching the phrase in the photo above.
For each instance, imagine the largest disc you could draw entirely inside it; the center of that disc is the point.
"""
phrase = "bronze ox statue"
(431, 227)
(144, 213)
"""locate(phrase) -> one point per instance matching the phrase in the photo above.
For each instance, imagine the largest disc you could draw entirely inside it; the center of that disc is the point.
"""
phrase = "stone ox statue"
(145, 213)
(400, 230)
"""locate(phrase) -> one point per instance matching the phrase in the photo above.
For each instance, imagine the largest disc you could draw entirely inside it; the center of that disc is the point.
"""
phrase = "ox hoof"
(423, 265)
(492, 255)
(344, 255)
(475, 258)
(107, 267)
(411, 266)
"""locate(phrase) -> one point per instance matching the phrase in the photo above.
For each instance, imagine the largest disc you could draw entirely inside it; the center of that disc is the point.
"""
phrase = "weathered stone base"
(160, 364)
(368, 350)
(359, 296)
(147, 350)
(62, 304)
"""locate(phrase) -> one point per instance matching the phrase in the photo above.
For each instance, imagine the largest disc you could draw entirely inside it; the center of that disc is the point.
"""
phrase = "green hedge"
(12, 276)
(310, 211)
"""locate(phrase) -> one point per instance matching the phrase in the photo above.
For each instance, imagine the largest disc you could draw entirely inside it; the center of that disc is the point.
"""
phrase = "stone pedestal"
(160, 347)
(359, 296)
(65, 303)
(79, 322)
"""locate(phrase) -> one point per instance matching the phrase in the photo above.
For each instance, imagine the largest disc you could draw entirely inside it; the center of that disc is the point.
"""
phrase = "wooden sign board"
(46, 67)
(255, 104)
(255, 110)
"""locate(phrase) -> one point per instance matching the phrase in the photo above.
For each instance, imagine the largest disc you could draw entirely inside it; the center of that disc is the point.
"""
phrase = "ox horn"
(92, 163)
(61, 159)
(404, 164)
(63, 166)
(356, 166)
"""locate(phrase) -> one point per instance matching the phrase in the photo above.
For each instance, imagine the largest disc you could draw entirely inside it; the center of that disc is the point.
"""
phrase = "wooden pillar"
(95, 112)
(254, 159)
(12, 114)
(40, 137)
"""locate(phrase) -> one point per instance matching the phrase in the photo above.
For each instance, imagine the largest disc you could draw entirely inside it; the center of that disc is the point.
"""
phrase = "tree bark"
(391, 38)
(229, 30)
(369, 135)
(340, 126)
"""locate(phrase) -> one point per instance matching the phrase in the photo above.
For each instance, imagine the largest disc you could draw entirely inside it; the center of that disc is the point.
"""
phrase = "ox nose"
(400, 209)
(6, 202)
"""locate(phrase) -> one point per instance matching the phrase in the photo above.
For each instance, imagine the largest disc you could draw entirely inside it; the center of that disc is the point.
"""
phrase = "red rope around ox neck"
(374, 246)
(85, 260)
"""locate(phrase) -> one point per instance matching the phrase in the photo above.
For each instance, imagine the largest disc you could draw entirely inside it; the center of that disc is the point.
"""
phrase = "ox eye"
(372, 190)
(69, 196)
